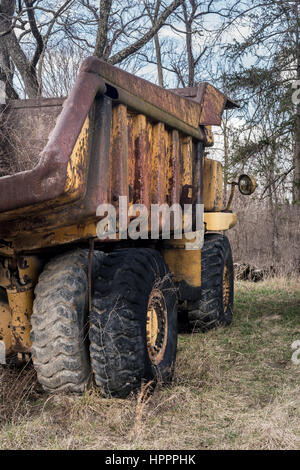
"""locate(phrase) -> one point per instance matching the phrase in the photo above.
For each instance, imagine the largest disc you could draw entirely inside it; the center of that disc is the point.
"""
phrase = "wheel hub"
(156, 326)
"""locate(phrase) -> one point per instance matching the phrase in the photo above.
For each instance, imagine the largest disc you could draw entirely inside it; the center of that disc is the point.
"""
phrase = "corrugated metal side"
(150, 163)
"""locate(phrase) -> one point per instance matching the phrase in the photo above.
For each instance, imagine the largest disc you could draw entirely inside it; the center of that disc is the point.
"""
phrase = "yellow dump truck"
(87, 307)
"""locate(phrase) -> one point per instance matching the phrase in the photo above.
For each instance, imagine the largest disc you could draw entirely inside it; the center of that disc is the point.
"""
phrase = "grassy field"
(235, 388)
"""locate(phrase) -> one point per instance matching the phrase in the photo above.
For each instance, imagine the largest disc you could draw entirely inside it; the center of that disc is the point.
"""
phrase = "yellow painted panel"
(209, 136)
(77, 165)
(187, 162)
(212, 185)
(5, 325)
(218, 221)
(119, 153)
(185, 265)
(20, 303)
(158, 164)
(56, 237)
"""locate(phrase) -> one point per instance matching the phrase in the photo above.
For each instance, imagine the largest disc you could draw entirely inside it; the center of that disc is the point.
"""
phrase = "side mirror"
(247, 184)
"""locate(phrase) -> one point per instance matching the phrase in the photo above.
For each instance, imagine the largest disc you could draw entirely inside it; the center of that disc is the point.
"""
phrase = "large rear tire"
(215, 307)
(60, 323)
(133, 323)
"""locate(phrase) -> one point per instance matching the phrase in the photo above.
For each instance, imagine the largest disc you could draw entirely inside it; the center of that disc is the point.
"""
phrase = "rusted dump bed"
(115, 135)
(25, 126)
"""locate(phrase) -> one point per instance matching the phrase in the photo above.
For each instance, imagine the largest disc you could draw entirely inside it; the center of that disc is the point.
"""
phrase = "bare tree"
(273, 40)
(23, 39)
(108, 29)
(12, 50)
(153, 11)
(195, 31)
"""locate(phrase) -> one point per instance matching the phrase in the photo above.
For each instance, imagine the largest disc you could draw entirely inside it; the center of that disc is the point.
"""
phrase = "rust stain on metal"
(175, 167)
(131, 159)
(212, 185)
(5, 325)
(20, 303)
(47, 180)
(60, 236)
(140, 159)
(211, 100)
(186, 171)
(77, 164)
(119, 153)
(154, 95)
(101, 149)
(144, 142)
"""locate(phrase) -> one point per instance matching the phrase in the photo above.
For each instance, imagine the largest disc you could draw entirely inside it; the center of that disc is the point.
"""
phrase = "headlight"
(247, 184)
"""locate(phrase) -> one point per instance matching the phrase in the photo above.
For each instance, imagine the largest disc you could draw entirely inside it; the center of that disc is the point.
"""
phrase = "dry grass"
(235, 388)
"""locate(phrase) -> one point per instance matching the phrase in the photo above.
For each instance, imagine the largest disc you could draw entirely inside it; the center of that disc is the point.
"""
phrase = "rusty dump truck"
(86, 309)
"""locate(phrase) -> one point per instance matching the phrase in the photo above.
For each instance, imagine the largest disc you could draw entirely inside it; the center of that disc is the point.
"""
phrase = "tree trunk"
(10, 44)
(189, 47)
(21, 62)
(296, 186)
(6, 73)
(101, 41)
(159, 61)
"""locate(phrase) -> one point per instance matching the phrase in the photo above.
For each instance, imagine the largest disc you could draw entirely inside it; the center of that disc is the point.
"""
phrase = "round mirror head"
(247, 184)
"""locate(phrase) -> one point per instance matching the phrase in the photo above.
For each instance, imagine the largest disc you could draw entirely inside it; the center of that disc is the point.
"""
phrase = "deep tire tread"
(121, 295)
(59, 349)
(208, 312)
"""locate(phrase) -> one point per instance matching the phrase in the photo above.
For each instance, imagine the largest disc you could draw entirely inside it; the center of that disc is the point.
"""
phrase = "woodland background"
(249, 49)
